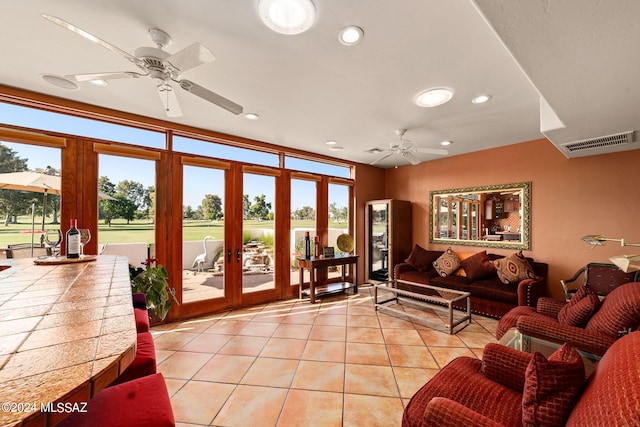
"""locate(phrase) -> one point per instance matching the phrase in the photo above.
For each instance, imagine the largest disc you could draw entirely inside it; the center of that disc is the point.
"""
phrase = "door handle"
(237, 255)
(229, 255)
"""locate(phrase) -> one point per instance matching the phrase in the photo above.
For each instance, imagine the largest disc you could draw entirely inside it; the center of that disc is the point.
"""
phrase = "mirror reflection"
(489, 216)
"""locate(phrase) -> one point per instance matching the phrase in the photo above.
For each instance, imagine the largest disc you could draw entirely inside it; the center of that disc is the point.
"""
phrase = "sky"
(208, 181)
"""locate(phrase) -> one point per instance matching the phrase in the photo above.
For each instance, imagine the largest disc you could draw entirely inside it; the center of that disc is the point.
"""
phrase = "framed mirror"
(495, 216)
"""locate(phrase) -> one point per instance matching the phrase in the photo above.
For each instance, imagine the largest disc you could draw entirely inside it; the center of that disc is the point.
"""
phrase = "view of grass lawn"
(137, 231)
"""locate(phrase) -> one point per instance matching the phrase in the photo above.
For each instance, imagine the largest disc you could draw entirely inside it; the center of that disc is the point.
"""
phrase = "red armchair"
(620, 311)
(493, 392)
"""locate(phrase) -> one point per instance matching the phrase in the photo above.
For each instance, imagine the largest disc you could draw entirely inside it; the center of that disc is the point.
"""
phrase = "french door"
(229, 247)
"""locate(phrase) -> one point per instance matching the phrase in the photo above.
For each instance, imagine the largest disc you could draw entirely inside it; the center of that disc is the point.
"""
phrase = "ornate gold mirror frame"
(493, 216)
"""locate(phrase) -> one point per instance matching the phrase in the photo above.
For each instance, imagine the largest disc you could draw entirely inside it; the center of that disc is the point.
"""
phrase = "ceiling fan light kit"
(405, 149)
(154, 62)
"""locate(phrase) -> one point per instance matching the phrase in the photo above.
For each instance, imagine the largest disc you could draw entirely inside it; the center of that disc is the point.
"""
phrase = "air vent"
(602, 142)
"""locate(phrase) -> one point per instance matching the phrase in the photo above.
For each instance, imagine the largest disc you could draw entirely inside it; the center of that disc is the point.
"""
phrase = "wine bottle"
(73, 240)
(307, 245)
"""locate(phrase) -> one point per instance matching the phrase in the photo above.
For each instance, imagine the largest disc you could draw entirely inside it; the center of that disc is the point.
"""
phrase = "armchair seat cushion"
(480, 394)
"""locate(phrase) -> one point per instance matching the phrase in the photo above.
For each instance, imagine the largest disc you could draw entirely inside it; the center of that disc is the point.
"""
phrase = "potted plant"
(153, 281)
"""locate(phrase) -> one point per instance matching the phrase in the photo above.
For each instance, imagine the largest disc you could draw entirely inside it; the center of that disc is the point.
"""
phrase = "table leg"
(301, 280)
(312, 285)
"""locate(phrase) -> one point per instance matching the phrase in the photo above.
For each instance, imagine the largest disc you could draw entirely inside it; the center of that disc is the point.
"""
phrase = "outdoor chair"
(23, 250)
(600, 278)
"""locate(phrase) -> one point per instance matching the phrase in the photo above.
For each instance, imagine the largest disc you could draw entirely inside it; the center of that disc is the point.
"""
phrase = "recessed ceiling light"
(59, 81)
(332, 142)
(433, 97)
(446, 143)
(287, 16)
(481, 99)
(251, 116)
(351, 35)
(336, 148)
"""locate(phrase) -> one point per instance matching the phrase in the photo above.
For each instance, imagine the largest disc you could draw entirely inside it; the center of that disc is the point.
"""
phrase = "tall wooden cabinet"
(388, 236)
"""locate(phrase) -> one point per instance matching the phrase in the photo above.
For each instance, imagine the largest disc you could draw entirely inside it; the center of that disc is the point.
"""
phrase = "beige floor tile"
(183, 365)
(476, 339)
(371, 380)
(391, 322)
(439, 339)
(360, 410)
(225, 368)
(358, 320)
(324, 376)
(300, 317)
(198, 402)
(244, 346)
(252, 406)
(411, 356)
(171, 340)
(207, 343)
(283, 348)
(367, 354)
(362, 309)
(325, 351)
(226, 327)
(259, 329)
(331, 319)
(444, 355)
(163, 354)
(196, 325)
(402, 337)
(306, 408)
(174, 385)
(328, 333)
(411, 379)
(365, 335)
(270, 372)
(292, 330)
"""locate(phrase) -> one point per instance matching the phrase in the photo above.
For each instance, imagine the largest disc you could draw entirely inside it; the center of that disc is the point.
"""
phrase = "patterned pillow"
(514, 268)
(579, 310)
(551, 387)
(478, 266)
(447, 263)
(421, 259)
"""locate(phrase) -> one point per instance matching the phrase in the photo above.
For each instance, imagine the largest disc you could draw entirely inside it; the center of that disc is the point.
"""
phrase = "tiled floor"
(335, 363)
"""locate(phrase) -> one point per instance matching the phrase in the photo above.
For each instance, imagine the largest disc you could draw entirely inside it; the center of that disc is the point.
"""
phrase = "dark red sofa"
(489, 296)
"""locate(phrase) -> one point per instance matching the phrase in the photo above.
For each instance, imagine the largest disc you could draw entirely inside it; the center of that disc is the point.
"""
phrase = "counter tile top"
(66, 331)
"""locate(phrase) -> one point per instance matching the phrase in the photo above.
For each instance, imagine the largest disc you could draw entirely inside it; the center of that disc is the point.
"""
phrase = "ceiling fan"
(158, 64)
(406, 149)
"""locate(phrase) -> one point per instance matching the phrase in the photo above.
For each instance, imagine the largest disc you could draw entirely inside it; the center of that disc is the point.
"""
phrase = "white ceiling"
(581, 56)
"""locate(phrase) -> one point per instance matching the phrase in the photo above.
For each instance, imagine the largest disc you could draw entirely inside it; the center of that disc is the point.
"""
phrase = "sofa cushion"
(451, 282)
(422, 259)
(579, 310)
(447, 263)
(493, 289)
(478, 266)
(514, 268)
(551, 387)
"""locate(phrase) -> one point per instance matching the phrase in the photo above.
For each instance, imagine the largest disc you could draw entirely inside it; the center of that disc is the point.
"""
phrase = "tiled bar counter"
(66, 332)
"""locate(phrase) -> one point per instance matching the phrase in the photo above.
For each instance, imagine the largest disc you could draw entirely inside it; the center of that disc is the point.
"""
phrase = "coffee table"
(433, 298)
(513, 338)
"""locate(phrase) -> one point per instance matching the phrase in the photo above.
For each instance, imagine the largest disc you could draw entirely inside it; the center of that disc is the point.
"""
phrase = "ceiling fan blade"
(411, 157)
(169, 100)
(105, 76)
(210, 96)
(88, 36)
(438, 151)
(190, 57)
(378, 160)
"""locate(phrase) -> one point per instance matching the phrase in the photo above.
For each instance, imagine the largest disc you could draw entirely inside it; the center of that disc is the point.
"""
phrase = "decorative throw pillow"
(579, 310)
(478, 266)
(514, 268)
(421, 259)
(551, 387)
(462, 256)
(447, 263)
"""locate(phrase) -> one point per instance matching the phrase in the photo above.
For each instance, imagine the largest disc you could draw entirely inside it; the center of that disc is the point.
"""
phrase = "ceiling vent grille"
(602, 142)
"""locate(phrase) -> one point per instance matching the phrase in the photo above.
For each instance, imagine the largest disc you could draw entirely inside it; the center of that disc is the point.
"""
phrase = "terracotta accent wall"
(570, 198)
(370, 185)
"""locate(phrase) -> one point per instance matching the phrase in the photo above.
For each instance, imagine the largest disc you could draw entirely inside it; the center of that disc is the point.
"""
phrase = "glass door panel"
(258, 233)
(303, 219)
(378, 241)
(203, 248)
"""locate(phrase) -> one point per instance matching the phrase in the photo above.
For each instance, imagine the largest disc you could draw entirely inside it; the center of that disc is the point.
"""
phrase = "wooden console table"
(321, 262)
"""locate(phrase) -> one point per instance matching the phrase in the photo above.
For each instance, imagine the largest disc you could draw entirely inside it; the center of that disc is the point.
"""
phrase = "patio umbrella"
(36, 182)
